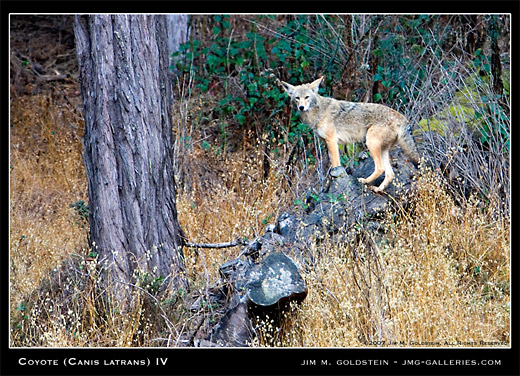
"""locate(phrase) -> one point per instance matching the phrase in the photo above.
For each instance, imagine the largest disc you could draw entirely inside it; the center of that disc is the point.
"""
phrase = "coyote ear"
(316, 84)
(288, 88)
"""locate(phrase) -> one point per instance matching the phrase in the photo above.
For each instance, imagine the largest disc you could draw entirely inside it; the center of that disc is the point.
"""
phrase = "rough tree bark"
(127, 99)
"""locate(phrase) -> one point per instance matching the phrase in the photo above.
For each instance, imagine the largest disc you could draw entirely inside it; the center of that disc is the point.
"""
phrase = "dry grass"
(439, 272)
(439, 276)
(46, 176)
(53, 301)
(225, 214)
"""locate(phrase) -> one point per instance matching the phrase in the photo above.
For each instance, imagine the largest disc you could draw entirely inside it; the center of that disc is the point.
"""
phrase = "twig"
(52, 77)
(233, 243)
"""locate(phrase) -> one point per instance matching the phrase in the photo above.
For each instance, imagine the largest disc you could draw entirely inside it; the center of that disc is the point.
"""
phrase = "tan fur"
(342, 122)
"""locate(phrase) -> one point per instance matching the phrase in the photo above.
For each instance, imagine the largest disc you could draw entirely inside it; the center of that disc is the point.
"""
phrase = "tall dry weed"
(46, 176)
(438, 273)
(438, 277)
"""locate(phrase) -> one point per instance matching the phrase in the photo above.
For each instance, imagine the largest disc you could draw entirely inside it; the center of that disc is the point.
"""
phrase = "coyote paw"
(376, 189)
(362, 180)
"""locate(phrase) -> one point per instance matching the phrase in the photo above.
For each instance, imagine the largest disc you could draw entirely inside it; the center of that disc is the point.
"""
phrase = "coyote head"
(303, 97)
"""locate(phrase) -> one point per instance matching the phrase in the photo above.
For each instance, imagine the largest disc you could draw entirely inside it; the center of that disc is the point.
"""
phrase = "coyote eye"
(297, 98)
(307, 97)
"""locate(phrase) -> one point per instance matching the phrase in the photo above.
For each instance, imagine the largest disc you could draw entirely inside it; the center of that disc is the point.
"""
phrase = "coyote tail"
(407, 143)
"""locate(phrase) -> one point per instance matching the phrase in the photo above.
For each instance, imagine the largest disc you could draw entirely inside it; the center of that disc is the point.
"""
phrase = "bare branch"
(233, 243)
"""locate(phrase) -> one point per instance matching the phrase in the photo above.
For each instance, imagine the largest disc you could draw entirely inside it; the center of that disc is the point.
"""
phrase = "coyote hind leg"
(374, 146)
(389, 172)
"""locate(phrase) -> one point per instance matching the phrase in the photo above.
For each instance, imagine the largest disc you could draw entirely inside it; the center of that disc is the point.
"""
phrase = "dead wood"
(266, 276)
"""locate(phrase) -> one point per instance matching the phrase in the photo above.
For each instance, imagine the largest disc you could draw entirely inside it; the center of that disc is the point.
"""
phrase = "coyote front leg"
(332, 146)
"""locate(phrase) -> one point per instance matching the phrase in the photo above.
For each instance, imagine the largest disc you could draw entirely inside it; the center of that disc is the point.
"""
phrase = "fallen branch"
(233, 243)
(53, 77)
(266, 277)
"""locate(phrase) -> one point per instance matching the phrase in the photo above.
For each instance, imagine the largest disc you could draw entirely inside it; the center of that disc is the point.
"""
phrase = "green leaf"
(21, 307)
(240, 118)
(298, 202)
(377, 77)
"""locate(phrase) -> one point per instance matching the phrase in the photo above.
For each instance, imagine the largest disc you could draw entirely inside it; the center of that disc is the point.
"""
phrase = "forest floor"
(442, 274)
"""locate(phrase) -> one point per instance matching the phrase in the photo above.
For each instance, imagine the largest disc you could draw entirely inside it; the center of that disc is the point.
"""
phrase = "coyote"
(342, 122)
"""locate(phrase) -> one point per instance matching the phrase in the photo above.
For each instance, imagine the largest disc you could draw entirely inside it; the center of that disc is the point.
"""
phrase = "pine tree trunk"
(127, 99)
